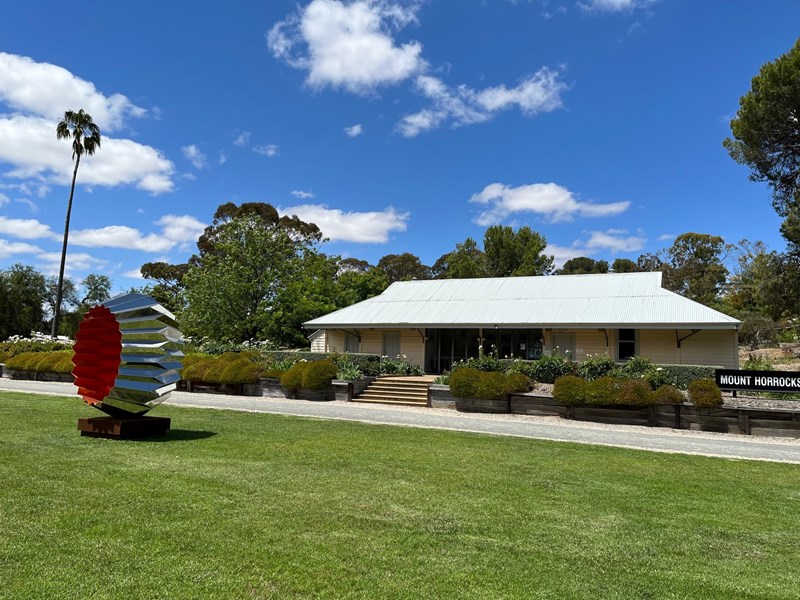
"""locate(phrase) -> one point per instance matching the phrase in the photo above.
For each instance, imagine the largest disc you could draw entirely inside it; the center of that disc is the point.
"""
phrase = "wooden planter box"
(34, 376)
(441, 396)
(538, 405)
(483, 405)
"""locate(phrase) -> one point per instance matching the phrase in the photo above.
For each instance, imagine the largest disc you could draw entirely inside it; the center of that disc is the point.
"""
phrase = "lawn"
(241, 505)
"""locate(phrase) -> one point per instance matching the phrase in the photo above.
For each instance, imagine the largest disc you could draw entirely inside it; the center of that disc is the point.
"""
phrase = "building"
(434, 323)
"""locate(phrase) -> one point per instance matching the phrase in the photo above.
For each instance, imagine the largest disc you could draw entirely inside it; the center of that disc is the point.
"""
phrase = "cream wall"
(707, 347)
(411, 344)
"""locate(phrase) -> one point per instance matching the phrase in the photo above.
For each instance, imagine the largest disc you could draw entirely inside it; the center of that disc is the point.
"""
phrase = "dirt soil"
(785, 358)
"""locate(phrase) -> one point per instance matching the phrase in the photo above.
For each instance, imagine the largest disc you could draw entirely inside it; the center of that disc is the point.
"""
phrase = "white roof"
(629, 300)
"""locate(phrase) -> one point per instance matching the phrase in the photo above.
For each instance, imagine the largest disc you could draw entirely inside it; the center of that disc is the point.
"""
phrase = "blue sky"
(395, 126)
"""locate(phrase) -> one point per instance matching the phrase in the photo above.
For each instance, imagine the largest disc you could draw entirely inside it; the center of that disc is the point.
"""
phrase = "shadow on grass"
(178, 435)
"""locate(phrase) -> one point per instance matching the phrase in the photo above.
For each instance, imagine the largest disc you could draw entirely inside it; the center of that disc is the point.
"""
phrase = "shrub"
(550, 367)
(195, 368)
(634, 392)
(683, 375)
(758, 363)
(293, 378)
(492, 385)
(347, 370)
(398, 366)
(15, 346)
(464, 383)
(638, 366)
(594, 367)
(517, 383)
(570, 390)
(668, 394)
(704, 392)
(318, 374)
(659, 377)
(314, 375)
(484, 362)
(239, 371)
(602, 391)
(518, 365)
(42, 362)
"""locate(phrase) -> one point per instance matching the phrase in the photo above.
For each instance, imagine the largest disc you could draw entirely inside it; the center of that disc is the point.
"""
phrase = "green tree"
(168, 288)
(581, 265)
(766, 136)
(515, 254)
(465, 262)
(650, 262)
(249, 274)
(696, 267)
(96, 289)
(85, 137)
(68, 298)
(624, 265)
(22, 301)
(403, 267)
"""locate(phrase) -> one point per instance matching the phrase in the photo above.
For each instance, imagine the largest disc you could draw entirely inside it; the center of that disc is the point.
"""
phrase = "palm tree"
(85, 138)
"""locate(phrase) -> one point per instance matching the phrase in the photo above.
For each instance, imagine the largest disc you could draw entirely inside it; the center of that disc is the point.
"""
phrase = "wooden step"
(390, 401)
(395, 390)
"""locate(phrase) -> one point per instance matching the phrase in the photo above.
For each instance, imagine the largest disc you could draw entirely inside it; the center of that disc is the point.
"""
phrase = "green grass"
(240, 505)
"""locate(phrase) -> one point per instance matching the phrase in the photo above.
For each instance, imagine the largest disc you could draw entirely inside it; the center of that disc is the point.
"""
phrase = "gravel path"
(547, 428)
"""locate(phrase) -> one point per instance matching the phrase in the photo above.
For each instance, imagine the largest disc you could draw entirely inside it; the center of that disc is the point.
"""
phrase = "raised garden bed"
(774, 422)
(35, 376)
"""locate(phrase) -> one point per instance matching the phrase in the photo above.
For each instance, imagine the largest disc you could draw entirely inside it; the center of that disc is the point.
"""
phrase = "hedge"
(704, 392)
(42, 362)
(492, 385)
(10, 349)
(227, 368)
(368, 364)
(314, 375)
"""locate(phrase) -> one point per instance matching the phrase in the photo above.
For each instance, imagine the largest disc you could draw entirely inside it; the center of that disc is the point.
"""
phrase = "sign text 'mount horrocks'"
(758, 381)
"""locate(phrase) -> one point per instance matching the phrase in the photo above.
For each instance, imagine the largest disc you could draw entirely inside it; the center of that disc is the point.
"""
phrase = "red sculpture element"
(97, 354)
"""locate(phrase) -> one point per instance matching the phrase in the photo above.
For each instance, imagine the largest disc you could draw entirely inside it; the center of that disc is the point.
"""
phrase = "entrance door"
(564, 345)
(391, 344)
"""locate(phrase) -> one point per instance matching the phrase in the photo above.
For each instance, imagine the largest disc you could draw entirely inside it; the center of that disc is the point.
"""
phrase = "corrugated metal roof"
(612, 300)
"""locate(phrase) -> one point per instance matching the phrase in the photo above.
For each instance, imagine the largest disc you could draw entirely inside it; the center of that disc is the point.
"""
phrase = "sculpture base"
(123, 429)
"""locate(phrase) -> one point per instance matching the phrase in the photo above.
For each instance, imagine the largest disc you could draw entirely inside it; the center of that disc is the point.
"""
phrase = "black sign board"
(758, 381)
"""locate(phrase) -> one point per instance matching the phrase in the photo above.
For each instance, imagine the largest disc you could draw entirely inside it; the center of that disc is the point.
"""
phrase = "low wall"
(34, 376)
(771, 422)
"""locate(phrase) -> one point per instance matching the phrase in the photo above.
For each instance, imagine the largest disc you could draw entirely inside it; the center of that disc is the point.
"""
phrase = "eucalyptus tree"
(85, 136)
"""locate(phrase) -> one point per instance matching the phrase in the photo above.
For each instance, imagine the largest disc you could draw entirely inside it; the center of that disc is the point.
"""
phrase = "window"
(627, 344)
(350, 343)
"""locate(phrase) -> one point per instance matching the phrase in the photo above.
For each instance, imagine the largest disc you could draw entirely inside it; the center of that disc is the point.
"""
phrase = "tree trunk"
(59, 291)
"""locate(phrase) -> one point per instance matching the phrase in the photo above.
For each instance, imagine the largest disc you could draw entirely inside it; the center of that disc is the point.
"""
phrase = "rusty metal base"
(123, 429)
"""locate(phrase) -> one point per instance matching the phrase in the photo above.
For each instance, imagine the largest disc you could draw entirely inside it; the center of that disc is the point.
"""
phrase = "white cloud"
(222, 158)
(540, 92)
(120, 236)
(175, 230)
(302, 194)
(243, 139)
(76, 261)
(553, 202)
(47, 90)
(268, 150)
(133, 274)
(362, 227)
(348, 45)
(189, 176)
(4, 200)
(27, 229)
(667, 237)
(614, 6)
(614, 240)
(354, 131)
(11, 248)
(194, 155)
(117, 162)
(28, 188)
(181, 228)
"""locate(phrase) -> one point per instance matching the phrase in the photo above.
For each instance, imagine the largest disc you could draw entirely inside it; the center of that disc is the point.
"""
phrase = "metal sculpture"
(127, 357)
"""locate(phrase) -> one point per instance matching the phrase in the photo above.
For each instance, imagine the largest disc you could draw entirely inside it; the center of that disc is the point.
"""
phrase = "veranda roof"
(626, 300)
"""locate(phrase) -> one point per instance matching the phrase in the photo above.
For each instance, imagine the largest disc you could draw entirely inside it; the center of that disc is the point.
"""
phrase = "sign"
(758, 381)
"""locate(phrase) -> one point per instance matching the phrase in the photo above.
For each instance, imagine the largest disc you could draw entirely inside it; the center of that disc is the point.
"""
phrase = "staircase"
(397, 390)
